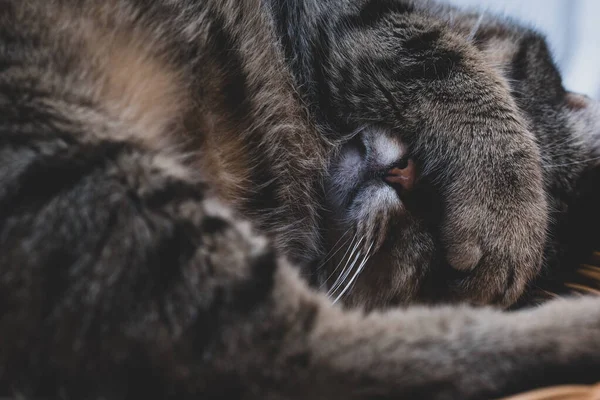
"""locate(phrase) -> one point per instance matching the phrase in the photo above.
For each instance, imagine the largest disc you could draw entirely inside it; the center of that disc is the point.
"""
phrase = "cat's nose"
(401, 175)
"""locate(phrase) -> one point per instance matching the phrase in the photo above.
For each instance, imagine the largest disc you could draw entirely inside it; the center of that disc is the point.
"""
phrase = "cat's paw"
(495, 226)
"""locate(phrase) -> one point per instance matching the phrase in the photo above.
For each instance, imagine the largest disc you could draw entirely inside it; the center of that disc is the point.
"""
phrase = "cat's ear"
(584, 120)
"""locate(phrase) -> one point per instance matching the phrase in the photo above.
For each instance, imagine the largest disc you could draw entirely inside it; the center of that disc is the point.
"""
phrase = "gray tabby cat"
(170, 170)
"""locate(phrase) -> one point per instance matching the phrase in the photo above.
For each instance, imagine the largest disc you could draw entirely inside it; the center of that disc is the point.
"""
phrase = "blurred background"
(572, 28)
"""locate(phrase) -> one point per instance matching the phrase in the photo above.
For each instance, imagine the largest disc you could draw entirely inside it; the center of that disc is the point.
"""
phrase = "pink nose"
(403, 176)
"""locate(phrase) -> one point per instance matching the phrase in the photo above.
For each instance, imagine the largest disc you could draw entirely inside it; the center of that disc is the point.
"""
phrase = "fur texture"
(178, 177)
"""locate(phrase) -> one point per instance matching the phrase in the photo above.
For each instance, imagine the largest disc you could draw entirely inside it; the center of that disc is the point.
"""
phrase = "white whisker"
(356, 274)
(331, 252)
(573, 163)
(476, 27)
(346, 272)
(347, 268)
(342, 260)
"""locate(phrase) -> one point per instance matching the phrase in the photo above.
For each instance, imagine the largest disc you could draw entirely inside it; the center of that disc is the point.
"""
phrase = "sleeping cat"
(188, 186)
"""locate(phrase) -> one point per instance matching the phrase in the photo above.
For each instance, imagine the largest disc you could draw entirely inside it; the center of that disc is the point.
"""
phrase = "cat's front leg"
(296, 345)
(477, 148)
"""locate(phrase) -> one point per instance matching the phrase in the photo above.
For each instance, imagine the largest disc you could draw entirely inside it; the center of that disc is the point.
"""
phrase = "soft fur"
(181, 182)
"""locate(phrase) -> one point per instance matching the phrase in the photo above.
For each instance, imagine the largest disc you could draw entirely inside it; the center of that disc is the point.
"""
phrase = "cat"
(180, 180)
(366, 81)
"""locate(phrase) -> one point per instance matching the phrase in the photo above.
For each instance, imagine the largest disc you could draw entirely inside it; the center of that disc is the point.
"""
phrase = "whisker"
(331, 252)
(573, 163)
(476, 27)
(344, 274)
(342, 260)
(347, 268)
(356, 274)
(347, 273)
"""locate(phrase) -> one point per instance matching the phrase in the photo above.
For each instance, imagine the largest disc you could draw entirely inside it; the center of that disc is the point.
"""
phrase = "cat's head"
(400, 89)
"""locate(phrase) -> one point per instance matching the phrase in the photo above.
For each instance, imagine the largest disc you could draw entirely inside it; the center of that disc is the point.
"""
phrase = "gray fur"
(168, 181)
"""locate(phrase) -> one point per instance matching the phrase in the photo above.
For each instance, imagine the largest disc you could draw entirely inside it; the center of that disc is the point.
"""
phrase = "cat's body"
(139, 137)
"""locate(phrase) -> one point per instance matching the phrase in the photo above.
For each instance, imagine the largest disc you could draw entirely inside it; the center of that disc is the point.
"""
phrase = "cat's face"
(401, 188)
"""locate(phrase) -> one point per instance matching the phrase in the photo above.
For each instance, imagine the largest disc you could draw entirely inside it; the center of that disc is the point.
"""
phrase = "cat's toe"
(464, 256)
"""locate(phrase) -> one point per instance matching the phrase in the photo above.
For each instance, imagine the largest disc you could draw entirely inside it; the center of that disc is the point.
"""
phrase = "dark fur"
(162, 161)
